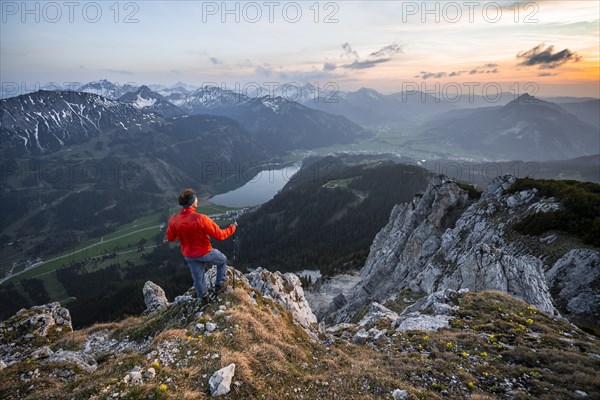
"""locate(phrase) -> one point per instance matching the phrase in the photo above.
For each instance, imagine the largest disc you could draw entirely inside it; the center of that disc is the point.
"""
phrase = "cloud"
(389, 50)
(547, 74)
(489, 68)
(427, 75)
(215, 60)
(365, 64)
(348, 51)
(119, 71)
(382, 55)
(546, 58)
(175, 71)
(296, 76)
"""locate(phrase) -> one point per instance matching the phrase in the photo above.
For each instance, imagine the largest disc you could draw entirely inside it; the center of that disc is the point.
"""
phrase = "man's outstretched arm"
(214, 231)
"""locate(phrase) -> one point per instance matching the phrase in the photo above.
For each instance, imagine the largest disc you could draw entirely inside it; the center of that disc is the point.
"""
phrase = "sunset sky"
(554, 45)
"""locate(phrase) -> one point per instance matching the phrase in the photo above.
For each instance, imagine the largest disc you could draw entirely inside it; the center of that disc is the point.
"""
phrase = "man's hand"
(234, 223)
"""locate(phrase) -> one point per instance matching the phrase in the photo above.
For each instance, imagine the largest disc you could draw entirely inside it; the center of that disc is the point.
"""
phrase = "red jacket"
(194, 232)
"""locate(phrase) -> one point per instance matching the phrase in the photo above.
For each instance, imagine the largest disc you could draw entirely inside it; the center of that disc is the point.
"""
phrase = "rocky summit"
(258, 340)
(444, 239)
(452, 303)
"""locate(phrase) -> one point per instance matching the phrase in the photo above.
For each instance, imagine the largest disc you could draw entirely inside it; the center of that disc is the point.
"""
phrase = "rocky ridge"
(445, 240)
(257, 340)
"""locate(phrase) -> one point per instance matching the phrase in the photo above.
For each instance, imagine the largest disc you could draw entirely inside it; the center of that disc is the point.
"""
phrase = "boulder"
(415, 321)
(154, 297)
(400, 394)
(150, 373)
(220, 381)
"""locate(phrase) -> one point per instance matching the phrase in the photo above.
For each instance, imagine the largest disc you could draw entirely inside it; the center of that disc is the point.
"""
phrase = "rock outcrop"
(286, 290)
(20, 334)
(174, 352)
(154, 297)
(444, 240)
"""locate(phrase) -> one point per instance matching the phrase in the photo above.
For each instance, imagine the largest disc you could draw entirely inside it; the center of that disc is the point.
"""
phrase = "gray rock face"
(154, 297)
(442, 241)
(285, 289)
(574, 280)
(220, 381)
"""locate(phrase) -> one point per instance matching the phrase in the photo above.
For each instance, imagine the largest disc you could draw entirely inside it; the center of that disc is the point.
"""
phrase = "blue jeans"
(196, 264)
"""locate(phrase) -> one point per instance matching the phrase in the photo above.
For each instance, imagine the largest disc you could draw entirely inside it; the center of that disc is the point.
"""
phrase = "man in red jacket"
(194, 232)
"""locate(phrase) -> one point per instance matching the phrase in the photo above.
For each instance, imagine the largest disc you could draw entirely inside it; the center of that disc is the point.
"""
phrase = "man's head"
(187, 197)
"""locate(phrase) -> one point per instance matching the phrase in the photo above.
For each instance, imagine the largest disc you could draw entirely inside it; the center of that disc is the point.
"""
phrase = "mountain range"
(149, 101)
(527, 128)
(46, 121)
(451, 304)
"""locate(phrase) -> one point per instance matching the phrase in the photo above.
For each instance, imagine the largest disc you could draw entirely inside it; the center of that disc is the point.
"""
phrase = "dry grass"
(495, 339)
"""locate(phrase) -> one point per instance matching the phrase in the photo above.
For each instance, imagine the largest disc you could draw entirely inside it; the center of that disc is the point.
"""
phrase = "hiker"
(194, 232)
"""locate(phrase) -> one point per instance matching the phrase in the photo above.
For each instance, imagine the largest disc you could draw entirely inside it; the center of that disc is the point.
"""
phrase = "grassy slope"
(497, 344)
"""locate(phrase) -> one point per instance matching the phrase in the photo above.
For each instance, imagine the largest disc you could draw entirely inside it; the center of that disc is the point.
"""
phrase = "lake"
(262, 188)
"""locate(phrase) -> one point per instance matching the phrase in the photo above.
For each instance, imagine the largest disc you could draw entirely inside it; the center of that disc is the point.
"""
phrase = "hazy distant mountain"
(587, 111)
(526, 128)
(46, 121)
(149, 101)
(567, 99)
(464, 100)
(367, 107)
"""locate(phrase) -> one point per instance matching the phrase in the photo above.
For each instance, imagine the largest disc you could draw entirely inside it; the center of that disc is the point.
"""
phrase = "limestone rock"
(575, 282)
(83, 360)
(400, 394)
(220, 381)
(154, 297)
(443, 240)
(134, 377)
(415, 321)
(42, 320)
(150, 373)
(286, 290)
(377, 313)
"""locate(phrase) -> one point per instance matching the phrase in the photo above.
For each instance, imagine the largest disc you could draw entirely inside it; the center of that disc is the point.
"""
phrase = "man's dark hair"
(185, 196)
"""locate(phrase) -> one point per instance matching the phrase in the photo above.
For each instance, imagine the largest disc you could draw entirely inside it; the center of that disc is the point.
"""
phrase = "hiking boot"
(220, 288)
(205, 299)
